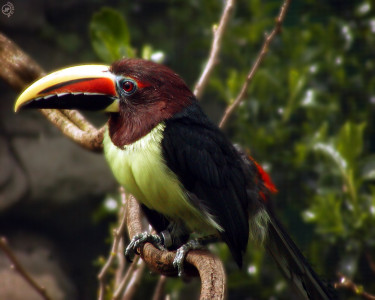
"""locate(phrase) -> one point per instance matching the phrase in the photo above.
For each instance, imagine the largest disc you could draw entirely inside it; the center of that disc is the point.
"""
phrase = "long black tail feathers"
(294, 266)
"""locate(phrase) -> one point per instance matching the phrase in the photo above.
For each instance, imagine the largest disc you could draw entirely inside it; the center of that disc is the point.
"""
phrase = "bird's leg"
(173, 237)
(195, 244)
(140, 239)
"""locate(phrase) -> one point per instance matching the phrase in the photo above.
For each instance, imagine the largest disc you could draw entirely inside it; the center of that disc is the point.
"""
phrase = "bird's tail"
(293, 264)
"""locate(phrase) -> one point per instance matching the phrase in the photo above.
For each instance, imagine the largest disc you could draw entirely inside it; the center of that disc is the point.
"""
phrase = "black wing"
(212, 172)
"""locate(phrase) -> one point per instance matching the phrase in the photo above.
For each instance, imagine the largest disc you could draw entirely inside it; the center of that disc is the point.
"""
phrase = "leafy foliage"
(110, 35)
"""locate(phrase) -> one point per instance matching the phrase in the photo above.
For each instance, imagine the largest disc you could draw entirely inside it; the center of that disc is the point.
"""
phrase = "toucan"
(185, 173)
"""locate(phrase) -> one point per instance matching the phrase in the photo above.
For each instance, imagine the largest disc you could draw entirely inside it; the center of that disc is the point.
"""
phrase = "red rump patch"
(103, 86)
(265, 178)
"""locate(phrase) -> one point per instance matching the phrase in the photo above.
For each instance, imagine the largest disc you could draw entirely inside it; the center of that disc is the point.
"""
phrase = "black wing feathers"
(210, 169)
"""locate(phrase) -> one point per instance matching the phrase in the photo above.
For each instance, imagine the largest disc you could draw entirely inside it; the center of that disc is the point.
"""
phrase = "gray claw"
(181, 253)
(179, 260)
(140, 239)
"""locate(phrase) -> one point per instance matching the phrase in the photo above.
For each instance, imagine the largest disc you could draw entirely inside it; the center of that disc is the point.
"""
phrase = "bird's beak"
(88, 87)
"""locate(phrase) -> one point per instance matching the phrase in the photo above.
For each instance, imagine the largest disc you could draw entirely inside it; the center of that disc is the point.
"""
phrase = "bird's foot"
(195, 244)
(139, 240)
(181, 253)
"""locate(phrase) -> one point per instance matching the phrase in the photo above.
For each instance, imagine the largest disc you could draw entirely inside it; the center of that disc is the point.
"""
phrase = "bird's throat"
(125, 128)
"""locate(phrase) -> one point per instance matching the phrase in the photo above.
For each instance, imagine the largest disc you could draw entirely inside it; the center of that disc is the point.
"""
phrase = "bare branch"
(215, 48)
(124, 281)
(89, 139)
(117, 235)
(159, 290)
(135, 281)
(41, 290)
(121, 263)
(346, 283)
(276, 30)
(17, 68)
(78, 119)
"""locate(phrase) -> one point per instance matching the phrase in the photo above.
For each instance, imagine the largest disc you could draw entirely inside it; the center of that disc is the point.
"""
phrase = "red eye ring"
(128, 86)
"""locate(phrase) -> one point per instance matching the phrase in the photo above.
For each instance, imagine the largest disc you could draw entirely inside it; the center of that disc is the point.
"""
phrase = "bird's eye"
(129, 86)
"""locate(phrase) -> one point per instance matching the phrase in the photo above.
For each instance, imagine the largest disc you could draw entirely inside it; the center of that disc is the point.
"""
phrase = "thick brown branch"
(215, 48)
(19, 70)
(258, 61)
(346, 283)
(210, 268)
(41, 290)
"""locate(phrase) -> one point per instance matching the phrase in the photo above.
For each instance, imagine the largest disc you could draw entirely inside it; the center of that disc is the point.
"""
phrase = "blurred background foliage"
(306, 119)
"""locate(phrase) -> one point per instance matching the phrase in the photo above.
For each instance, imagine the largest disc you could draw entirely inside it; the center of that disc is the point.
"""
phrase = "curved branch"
(215, 48)
(90, 139)
(276, 30)
(41, 290)
(209, 267)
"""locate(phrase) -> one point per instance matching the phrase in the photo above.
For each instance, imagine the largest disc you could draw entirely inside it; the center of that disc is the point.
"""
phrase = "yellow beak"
(87, 87)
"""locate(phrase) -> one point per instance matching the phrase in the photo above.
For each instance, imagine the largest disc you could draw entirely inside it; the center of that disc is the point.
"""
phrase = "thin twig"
(346, 283)
(124, 281)
(159, 289)
(121, 263)
(117, 235)
(258, 61)
(215, 48)
(135, 281)
(41, 290)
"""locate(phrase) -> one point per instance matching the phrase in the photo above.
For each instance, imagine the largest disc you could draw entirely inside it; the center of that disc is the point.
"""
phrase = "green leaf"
(326, 212)
(349, 142)
(296, 82)
(110, 35)
(331, 152)
(368, 168)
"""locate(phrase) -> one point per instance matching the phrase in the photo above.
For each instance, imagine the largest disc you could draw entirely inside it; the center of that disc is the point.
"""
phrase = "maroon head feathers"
(160, 94)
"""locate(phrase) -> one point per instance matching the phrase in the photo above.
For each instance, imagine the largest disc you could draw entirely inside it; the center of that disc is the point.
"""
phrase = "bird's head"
(138, 95)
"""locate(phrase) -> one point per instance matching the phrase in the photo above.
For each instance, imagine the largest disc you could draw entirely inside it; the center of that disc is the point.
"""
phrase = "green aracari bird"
(187, 176)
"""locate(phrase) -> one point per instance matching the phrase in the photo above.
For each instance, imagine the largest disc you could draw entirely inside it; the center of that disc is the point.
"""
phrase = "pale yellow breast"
(141, 170)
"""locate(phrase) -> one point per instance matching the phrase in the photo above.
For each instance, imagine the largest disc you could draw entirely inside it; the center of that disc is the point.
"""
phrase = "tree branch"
(117, 235)
(125, 279)
(135, 280)
(215, 48)
(159, 290)
(41, 290)
(346, 283)
(258, 61)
